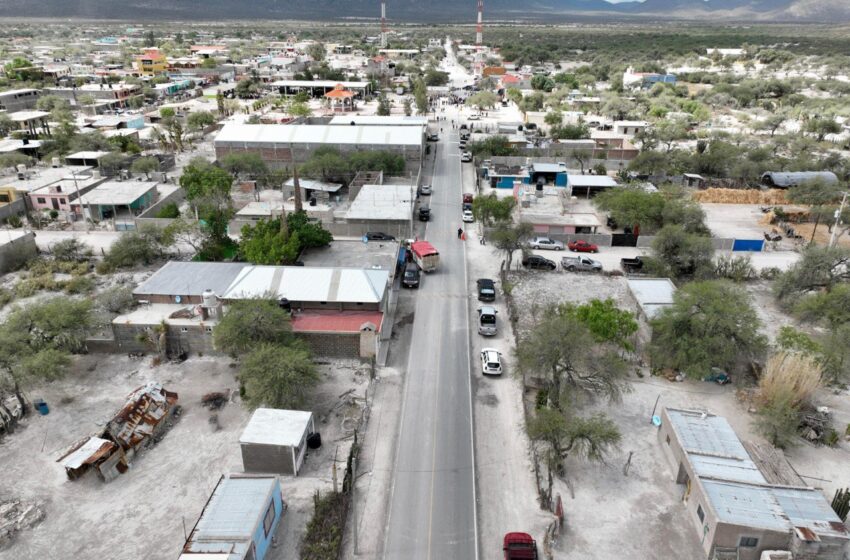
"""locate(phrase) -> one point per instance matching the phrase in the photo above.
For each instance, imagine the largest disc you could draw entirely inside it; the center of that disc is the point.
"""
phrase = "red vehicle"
(519, 546)
(425, 255)
(467, 197)
(582, 246)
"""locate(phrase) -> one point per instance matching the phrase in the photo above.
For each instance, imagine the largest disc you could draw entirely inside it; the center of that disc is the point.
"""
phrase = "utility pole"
(80, 199)
(837, 219)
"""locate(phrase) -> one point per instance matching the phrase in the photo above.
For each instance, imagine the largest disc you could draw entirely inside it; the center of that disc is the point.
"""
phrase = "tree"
(492, 146)
(514, 95)
(37, 341)
(618, 107)
(13, 159)
(533, 102)
(820, 268)
(554, 118)
(434, 77)
(773, 122)
(483, 100)
(200, 120)
(384, 105)
(70, 250)
(582, 157)
(420, 96)
(317, 51)
(141, 246)
(248, 165)
(267, 243)
(568, 131)
(820, 195)
(250, 323)
(299, 109)
(205, 182)
(786, 386)
(542, 82)
(7, 125)
(562, 348)
(608, 323)
(681, 253)
(407, 107)
(510, 239)
(821, 126)
(591, 438)
(146, 165)
(491, 209)
(277, 376)
(246, 88)
(637, 208)
(710, 324)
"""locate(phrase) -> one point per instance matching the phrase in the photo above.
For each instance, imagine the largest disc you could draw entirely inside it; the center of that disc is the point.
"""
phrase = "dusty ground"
(168, 484)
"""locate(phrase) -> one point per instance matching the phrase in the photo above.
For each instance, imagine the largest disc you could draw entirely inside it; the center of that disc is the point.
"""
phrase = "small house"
(275, 441)
(239, 520)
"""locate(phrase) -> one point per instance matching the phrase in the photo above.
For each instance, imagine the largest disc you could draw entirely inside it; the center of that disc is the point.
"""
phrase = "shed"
(652, 295)
(275, 441)
(784, 180)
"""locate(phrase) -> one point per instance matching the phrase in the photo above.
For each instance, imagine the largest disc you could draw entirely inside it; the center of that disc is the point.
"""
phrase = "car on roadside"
(467, 197)
(433, 137)
(424, 213)
(466, 157)
(467, 216)
(582, 246)
(487, 320)
(491, 361)
(580, 264)
(474, 117)
(546, 243)
(378, 236)
(425, 190)
(411, 276)
(537, 262)
(486, 289)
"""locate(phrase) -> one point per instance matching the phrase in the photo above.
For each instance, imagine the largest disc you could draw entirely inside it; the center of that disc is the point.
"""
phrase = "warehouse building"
(736, 510)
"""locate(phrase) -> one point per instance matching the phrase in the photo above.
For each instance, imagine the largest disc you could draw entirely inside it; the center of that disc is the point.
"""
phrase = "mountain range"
(433, 10)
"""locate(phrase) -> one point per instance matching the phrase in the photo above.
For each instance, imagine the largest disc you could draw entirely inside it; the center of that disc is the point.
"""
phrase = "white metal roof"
(652, 294)
(362, 135)
(271, 426)
(319, 84)
(314, 185)
(11, 145)
(86, 155)
(591, 181)
(76, 459)
(309, 284)
(390, 120)
(234, 510)
(118, 193)
(383, 202)
(23, 116)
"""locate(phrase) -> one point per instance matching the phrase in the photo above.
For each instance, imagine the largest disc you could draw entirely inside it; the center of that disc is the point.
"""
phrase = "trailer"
(425, 255)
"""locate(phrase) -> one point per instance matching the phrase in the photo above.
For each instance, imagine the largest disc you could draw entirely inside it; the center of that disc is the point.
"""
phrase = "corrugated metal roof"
(740, 470)
(309, 284)
(745, 505)
(382, 202)
(707, 434)
(234, 510)
(652, 294)
(808, 508)
(190, 278)
(584, 181)
(391, 120)
(788, 179)
(361, 135)
(272, 426)
(88, 452)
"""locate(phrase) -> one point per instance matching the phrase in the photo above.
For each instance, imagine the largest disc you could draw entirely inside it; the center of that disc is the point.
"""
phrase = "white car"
(546, 243)
(468, 217)
(491, 361)
(474, 117)
(466, 156)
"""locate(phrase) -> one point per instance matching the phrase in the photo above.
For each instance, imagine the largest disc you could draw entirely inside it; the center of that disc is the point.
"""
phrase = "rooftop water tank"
(209, 298)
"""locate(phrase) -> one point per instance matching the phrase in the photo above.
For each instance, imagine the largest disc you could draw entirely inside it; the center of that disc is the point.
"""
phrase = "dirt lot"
(167, 485)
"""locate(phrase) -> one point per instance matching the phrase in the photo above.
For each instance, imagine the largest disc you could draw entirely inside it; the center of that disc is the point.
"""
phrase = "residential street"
(432, 505)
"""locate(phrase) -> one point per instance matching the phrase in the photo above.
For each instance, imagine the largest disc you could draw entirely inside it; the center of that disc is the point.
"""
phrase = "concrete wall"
(13, 254)
(194, 340)
(282, 155)
(333, 345)
(149, 215)
(17, 207)
(277, 459)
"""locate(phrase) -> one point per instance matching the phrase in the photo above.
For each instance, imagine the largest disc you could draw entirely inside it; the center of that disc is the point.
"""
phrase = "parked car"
(466, 157)
(411, 276)
(631, 265)
(538, 262)
(464, 135)
(487, 320)
(467, 197)
(486, 289)
(425, 190)
(466, 206)
(424, 213)
(582, 246)
(467, 216)
(580, 264)
(491, 361)
(519, 546)
(433, 137)
(474, 117)
(546, 243)
(379, 236)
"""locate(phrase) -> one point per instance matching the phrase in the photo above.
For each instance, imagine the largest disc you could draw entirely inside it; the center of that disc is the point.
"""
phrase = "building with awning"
(318, 88)
(341, 99)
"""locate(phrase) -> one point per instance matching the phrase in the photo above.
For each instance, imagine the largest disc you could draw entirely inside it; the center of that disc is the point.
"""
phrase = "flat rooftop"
(118, 193)
(309, 284)
(390, 120)
(246, 134)
(272, 426)
(319, 84)
(653, 295)
(37, 177)
(383, 202)
(190, 278)
(376, 255)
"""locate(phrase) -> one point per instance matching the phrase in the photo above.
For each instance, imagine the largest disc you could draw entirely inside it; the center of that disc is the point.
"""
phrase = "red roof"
(423, 248)
(335, 321)
(510, 79)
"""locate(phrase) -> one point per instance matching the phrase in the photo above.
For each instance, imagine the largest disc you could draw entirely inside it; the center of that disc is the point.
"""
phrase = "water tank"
(209, 299)
(54, 162)
(21, 168)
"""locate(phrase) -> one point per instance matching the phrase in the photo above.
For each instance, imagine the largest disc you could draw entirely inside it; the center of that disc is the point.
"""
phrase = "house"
(90, 159)
(787, 179)
(282, 144)
(32, 122)
(116, 199)
(180, 282)
(381, 207)
(18, 99)
(589, 185)
(239, 520)
(738, 509)
(630, 128)
(152, 63)
(644, 80)
(110, 95)
(275, 441)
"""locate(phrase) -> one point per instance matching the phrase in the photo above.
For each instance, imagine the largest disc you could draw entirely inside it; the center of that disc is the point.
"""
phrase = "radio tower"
(383, 24)
(479, 29)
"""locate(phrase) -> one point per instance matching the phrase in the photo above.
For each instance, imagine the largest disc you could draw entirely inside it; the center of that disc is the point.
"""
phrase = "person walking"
(459, 233)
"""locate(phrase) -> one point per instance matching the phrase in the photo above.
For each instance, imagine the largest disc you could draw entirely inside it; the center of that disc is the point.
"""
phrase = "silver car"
(491, 361)
(546, 243)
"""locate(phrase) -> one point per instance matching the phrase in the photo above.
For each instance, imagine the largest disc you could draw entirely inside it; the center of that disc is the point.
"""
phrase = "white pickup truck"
(580, 263)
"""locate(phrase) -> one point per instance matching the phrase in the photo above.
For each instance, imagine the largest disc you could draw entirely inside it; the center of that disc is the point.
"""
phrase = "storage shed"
(784, 179)
(275, 441)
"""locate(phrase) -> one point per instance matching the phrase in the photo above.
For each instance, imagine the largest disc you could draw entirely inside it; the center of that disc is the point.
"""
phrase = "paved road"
(432, 505)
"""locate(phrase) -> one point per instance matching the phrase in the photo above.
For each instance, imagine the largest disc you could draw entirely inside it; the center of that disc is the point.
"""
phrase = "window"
(748, 542)
(40, 200)
(184, 329)
(209, 329)
(268, 520)
(700, 513)
(61, 201)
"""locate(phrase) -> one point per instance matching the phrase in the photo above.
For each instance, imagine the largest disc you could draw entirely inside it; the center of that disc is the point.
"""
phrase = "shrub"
(117, 299)
(737, 268)
(70, 250)
(54, 214)
(6, 297)
(79, 285)
(170, 210)
(14, 221)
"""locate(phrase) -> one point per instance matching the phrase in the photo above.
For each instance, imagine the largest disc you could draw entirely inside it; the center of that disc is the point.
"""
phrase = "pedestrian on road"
(459, 233)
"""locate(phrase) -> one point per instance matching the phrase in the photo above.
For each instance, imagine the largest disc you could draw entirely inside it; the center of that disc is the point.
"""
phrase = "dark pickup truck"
(631, 265)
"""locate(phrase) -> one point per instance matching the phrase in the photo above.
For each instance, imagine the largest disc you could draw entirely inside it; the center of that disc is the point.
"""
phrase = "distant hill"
(429, 10)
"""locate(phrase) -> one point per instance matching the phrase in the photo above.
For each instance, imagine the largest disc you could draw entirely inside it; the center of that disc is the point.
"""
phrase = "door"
(55, 203)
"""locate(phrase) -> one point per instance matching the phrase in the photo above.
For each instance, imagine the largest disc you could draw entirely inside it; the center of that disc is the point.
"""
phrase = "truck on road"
(580, 264)
(519, 546)
(425, 255)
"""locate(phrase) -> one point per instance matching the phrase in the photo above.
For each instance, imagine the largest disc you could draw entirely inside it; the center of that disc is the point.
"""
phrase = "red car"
(467, 198)
(582, 246)
(519, 546)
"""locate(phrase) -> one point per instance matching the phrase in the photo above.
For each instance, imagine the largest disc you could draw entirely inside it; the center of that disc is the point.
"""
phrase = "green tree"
(514, 95)
(408, 107)
(482, 100)
(582, 157)
(141, 246)
(542, 82)
(266, 243)
(778, 421)
(818, 194)
(299, 109)
(819, 269)
(200, 120)
(146, 165)
(608, 323)
(205, 182)
(570, 132)
(249, 323)
(491, 209)
(821, 126)
(420, 96)
(246, 88)
(509, 238)
(681, 253)
(554, 118)
(277, 376)
(434, 77)
(710, 324)
(492, 146)
(592, 439)
(384, 105)
(317, 51)
(71, 250)
(244, 165)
